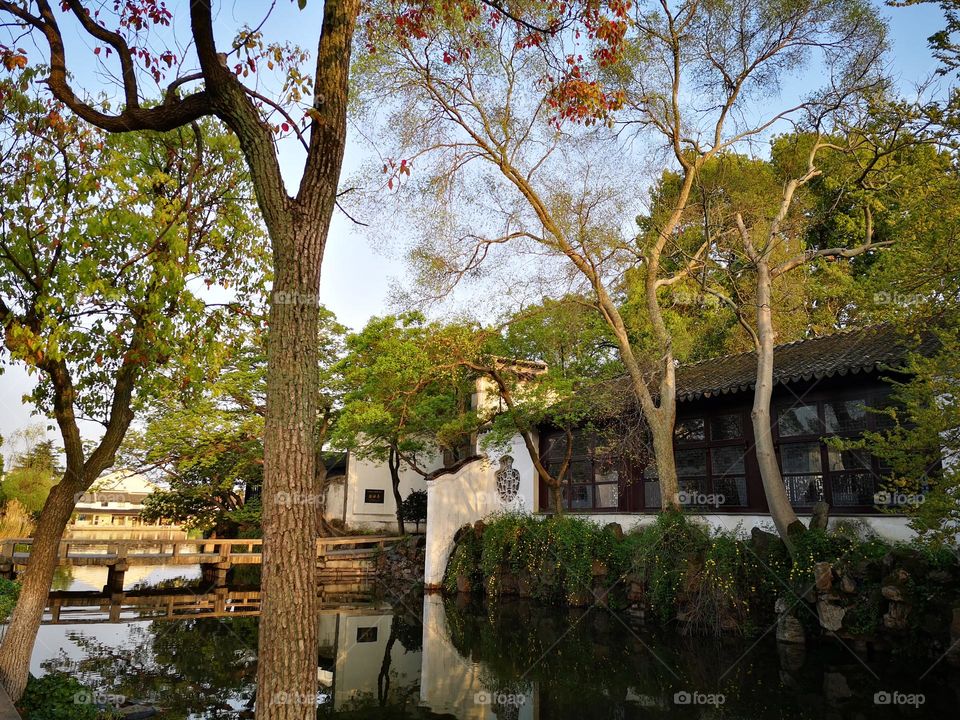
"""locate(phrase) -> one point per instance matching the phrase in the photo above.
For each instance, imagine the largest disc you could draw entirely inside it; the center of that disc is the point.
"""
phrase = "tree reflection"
(190, 668)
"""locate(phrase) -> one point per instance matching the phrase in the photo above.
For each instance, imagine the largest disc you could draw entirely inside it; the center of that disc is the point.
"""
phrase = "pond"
(430, 657)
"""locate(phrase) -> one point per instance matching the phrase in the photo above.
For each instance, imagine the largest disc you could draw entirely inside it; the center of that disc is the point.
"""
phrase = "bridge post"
(115, 576)
(7, 568)
(216, 573)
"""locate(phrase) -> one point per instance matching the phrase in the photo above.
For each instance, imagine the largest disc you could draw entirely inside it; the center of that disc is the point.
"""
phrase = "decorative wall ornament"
(508, 480)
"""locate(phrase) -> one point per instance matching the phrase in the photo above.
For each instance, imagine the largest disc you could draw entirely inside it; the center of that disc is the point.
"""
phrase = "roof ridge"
(780, 346)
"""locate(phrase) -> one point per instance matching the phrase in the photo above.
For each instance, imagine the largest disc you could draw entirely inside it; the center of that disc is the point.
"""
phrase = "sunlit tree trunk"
(778, 501)
(36, 580)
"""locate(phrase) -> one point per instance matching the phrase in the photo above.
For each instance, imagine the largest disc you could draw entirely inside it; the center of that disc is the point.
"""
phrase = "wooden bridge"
(339, 559)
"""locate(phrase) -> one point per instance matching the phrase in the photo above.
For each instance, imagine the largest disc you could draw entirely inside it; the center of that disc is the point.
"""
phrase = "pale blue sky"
(356, 278)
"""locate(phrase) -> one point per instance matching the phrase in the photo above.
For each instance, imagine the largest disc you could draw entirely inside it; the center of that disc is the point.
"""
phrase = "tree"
(915, 284)
(414, 508)
(206, 441)
(214, 498)
(193, 665)
(101, 247)
(34, 472)
(407, 397)
(297, 225)
(482, 107)
(547, 365)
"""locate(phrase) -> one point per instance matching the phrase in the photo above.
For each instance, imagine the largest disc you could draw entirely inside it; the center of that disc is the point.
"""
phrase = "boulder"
(598, 568)
(836, 687)
(600, 595)
(906, 559)
(796, 528)
(580, 598)
(792, 657)
(458, 535)
(830, 614)
(897, 617)
(508, 583)
(823, 576)
(820, 516)
(762, 540)
(847, 584)
(789, 629)
(463, 584)
(895, 585)
(636, 591)
(940, 577)
(614, 529)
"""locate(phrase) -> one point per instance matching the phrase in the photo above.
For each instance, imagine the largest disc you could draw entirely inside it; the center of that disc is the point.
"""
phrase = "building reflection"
(439, 658)
(453, 683)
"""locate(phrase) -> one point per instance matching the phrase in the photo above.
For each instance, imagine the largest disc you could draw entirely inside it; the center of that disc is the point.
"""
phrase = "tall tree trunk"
(556, 496)
(289, 619)
(661, 434)
(17, 645)
(778, 502)
(36, 581)
(393, 462)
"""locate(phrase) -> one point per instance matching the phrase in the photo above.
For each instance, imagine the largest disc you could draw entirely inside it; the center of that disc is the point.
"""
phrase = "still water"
(429, 657)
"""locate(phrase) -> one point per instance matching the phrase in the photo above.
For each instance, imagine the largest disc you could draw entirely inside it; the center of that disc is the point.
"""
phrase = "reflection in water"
(515, 660)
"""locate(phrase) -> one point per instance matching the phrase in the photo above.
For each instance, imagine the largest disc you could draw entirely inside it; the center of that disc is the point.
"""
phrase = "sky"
(357, 277)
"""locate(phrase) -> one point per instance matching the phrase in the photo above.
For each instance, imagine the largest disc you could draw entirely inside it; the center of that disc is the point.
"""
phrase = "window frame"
(588, 441)
(708, 444)
(872, 398)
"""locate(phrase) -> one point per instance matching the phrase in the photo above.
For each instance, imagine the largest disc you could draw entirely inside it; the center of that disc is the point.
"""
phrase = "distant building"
(115, 500)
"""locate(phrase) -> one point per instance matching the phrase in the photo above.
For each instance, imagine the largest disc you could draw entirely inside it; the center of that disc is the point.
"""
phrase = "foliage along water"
(435, 657)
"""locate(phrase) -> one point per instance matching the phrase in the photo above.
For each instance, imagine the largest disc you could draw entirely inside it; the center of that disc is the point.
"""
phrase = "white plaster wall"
(335, 508)
(889, 527)
(455, 500)
(522, 462)
(368, 474)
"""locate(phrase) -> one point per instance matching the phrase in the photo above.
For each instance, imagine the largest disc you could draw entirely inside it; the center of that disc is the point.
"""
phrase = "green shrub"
(465, 560)
(9, 592)
(715, 581)
(57, 696)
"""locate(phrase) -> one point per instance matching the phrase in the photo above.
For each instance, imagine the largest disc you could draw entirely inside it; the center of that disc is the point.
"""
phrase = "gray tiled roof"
(856, 351)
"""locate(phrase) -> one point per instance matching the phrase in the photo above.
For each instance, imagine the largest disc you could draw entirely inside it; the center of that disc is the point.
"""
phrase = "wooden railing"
(79, 608)
(229, 552)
